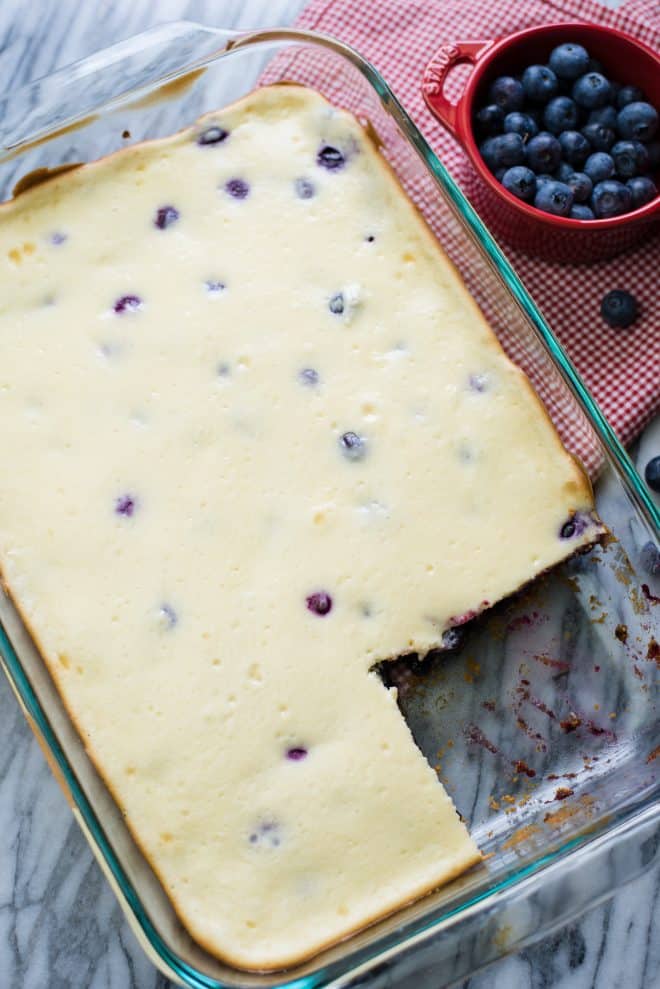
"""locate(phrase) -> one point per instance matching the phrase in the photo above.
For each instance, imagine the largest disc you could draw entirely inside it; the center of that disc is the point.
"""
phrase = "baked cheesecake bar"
(258, 439)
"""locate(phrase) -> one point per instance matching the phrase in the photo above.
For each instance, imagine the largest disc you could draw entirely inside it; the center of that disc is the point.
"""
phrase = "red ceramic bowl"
(555, 237)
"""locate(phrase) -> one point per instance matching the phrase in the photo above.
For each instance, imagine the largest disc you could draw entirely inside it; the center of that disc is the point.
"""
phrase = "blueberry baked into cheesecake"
(263, 441)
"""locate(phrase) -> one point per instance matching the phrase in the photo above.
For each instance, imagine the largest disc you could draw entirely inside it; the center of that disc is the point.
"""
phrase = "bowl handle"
(436, 73)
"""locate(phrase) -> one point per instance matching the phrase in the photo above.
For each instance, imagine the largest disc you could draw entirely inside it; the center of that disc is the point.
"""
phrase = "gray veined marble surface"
(60, 926)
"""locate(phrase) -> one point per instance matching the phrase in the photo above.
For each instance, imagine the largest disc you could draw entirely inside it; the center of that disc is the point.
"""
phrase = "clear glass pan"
(544, 724)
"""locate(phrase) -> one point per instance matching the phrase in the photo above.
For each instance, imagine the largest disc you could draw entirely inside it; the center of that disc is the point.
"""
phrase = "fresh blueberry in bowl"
(554, 197)
(642, 189)
(539, 83)
(521, 181)
(520, 123)
(610, 198)
(569, 61)
(591, 90)
(605, 115)
(599, 135)
(575, 147)
(629, 94)
(543, 152)
(564, 172)
(507, 93)
(581, 212)
(638, 120)
(503, 151)
(599, 166)
(630, 158)
(582, 187)
(652, 474)
(489, 120)
(619, 308)
(560, 114)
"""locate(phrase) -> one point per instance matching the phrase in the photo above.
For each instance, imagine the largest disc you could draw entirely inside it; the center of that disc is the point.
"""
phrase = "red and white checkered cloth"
(621, 368)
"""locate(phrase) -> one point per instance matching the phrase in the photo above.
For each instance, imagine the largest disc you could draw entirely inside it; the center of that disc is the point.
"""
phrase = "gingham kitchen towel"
(621, 368)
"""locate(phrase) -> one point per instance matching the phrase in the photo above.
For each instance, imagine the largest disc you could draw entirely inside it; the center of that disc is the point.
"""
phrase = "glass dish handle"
(76, 91)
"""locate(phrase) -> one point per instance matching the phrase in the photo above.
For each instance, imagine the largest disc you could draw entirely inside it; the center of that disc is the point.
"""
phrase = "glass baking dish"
(543, 723)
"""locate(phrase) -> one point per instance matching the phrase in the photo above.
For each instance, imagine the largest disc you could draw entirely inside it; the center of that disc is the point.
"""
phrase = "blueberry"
(575, 147)
(507, 93)
(296, 753)
(353, 447)
(337, 304)
(125, 505)
(581, 212)
(500, 173)
(330, 158)
(568, 61)
(595, 66)
(575, 526)
(652, 474)
(166, 216)
(649, 558)
(214, 285)
(127, 303)
(543, 152)
(453, 638)
(542, 178)
(319, 603)
(642, 189)
(554, 197)
(591, 90)
(237, 188)
(520, 123)
(605, 115)
(619, 308)
(521, 181)
(599, 136)
(630, 158)
(489, 120)
(212, 135)
(266, 835)
(539, 83)
(581, 185)
(638, 120)
(629, 94)
(308, 376)
(478, 382)
(503, 151)
(304, 188)
(563, 172)
(567, 530)
(560, 114)
(167, 616)
(610, 198)
(653, 150)
(599, 166)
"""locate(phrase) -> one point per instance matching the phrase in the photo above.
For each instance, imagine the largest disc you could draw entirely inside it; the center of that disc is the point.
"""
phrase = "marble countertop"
(60, 926)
